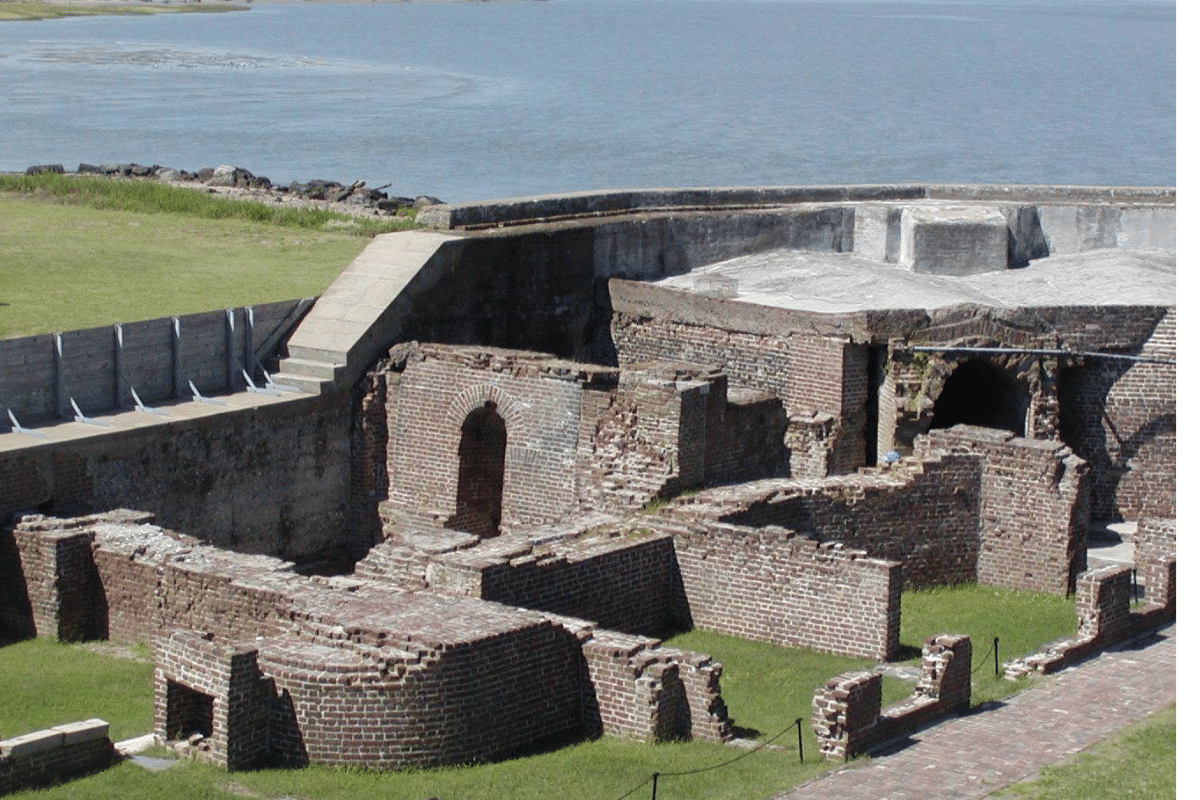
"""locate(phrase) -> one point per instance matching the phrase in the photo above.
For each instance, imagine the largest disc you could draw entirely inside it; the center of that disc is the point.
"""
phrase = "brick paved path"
(974, 755)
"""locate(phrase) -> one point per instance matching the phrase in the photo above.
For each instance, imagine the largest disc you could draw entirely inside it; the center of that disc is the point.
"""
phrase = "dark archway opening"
(481, 451)
(980, 393)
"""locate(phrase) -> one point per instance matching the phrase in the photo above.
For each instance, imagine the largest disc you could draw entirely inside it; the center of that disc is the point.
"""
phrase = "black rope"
(985, 658)
(750, 752)
(634, 789)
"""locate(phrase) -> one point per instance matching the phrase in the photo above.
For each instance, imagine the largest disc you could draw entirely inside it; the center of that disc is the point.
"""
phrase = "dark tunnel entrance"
(481, 453)
(980, 393)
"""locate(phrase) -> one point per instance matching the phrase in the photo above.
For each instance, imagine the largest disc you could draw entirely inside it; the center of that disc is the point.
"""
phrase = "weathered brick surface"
(1120, 416)
(846, 716)
(924, 514)
(1033, 498)
(811, 375)
(772, 584)
(637, 689)
(54, 755)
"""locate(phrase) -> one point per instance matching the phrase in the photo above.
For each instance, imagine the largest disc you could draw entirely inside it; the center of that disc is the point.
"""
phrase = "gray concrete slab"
(840, 282)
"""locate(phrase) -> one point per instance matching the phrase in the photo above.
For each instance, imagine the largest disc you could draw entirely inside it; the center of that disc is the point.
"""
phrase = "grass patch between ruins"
(1023, 621)
(45, 683)
(117, 254)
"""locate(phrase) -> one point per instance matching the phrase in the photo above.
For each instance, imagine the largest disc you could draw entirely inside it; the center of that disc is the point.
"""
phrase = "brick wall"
(1122, 420)
(54, 755)
(812, 376)
(538, 400)
(1102, 606)
(923, 514)
(1033, 507)
(847, 719)
(190, 666)
(639, 690)
(773, 585)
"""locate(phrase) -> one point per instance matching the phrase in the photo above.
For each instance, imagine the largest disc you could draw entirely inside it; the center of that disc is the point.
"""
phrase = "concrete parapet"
(953, 240)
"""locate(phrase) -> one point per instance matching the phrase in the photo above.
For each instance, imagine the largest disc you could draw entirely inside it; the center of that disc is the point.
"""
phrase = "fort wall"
(270, 477)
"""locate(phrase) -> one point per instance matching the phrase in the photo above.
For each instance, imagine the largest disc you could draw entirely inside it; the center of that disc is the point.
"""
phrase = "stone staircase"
(311, 370)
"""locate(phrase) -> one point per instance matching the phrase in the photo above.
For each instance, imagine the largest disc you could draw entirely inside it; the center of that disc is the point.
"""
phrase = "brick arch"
(476, 396)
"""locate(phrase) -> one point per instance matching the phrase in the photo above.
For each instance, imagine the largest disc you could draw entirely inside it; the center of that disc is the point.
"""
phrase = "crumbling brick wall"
(924, 514)
(847, 719)
(1102, 606)
(1033, 507)
(190, 667)
(636, 689)
(1120, 416)
(816, 377)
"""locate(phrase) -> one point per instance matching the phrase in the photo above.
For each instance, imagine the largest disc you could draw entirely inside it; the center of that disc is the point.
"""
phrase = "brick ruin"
(527, 454)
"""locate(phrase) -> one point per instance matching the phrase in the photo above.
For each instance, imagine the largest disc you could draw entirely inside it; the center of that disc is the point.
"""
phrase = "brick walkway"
(974, 755)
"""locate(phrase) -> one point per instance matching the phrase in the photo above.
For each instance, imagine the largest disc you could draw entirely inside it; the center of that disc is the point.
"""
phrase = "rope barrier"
(985, 658)
(655, 776)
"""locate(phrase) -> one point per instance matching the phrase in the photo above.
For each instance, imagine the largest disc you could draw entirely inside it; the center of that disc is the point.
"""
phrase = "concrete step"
(305, 383)
(315, 354)
(325, 370)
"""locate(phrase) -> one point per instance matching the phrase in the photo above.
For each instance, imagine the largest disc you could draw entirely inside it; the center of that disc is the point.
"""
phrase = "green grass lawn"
(44, 683)
(80, 252)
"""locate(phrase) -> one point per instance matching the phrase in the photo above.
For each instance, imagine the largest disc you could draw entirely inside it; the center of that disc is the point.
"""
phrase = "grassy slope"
(67, 267)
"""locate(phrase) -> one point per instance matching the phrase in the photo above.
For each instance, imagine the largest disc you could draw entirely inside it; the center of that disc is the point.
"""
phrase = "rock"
(139, 171)
(168, 174)
(41, 169)
(223, 175)
(424, 200)
(89, 169)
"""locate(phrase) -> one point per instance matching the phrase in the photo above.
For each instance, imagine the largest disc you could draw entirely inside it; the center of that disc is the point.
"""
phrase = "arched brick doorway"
(481, 452)
(980, 393)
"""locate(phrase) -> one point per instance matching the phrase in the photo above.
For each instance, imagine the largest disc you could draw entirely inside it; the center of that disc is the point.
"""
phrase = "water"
(477, 100)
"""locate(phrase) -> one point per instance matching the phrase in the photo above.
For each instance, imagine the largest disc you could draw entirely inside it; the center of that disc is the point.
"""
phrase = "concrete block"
(84, 731)
(30, 743)
(953, 240)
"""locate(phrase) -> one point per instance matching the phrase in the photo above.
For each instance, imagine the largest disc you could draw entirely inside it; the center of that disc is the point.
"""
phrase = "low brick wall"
(1103, 607)
(846, 715)
(54, 755)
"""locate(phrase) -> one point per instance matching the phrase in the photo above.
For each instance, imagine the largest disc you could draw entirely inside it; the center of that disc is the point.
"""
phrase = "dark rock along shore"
(356, 197)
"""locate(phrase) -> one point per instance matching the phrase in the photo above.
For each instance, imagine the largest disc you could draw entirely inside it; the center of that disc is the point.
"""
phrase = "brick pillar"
(844, 712)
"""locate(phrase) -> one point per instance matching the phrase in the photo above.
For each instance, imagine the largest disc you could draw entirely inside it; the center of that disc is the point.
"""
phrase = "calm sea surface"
(478, 100)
